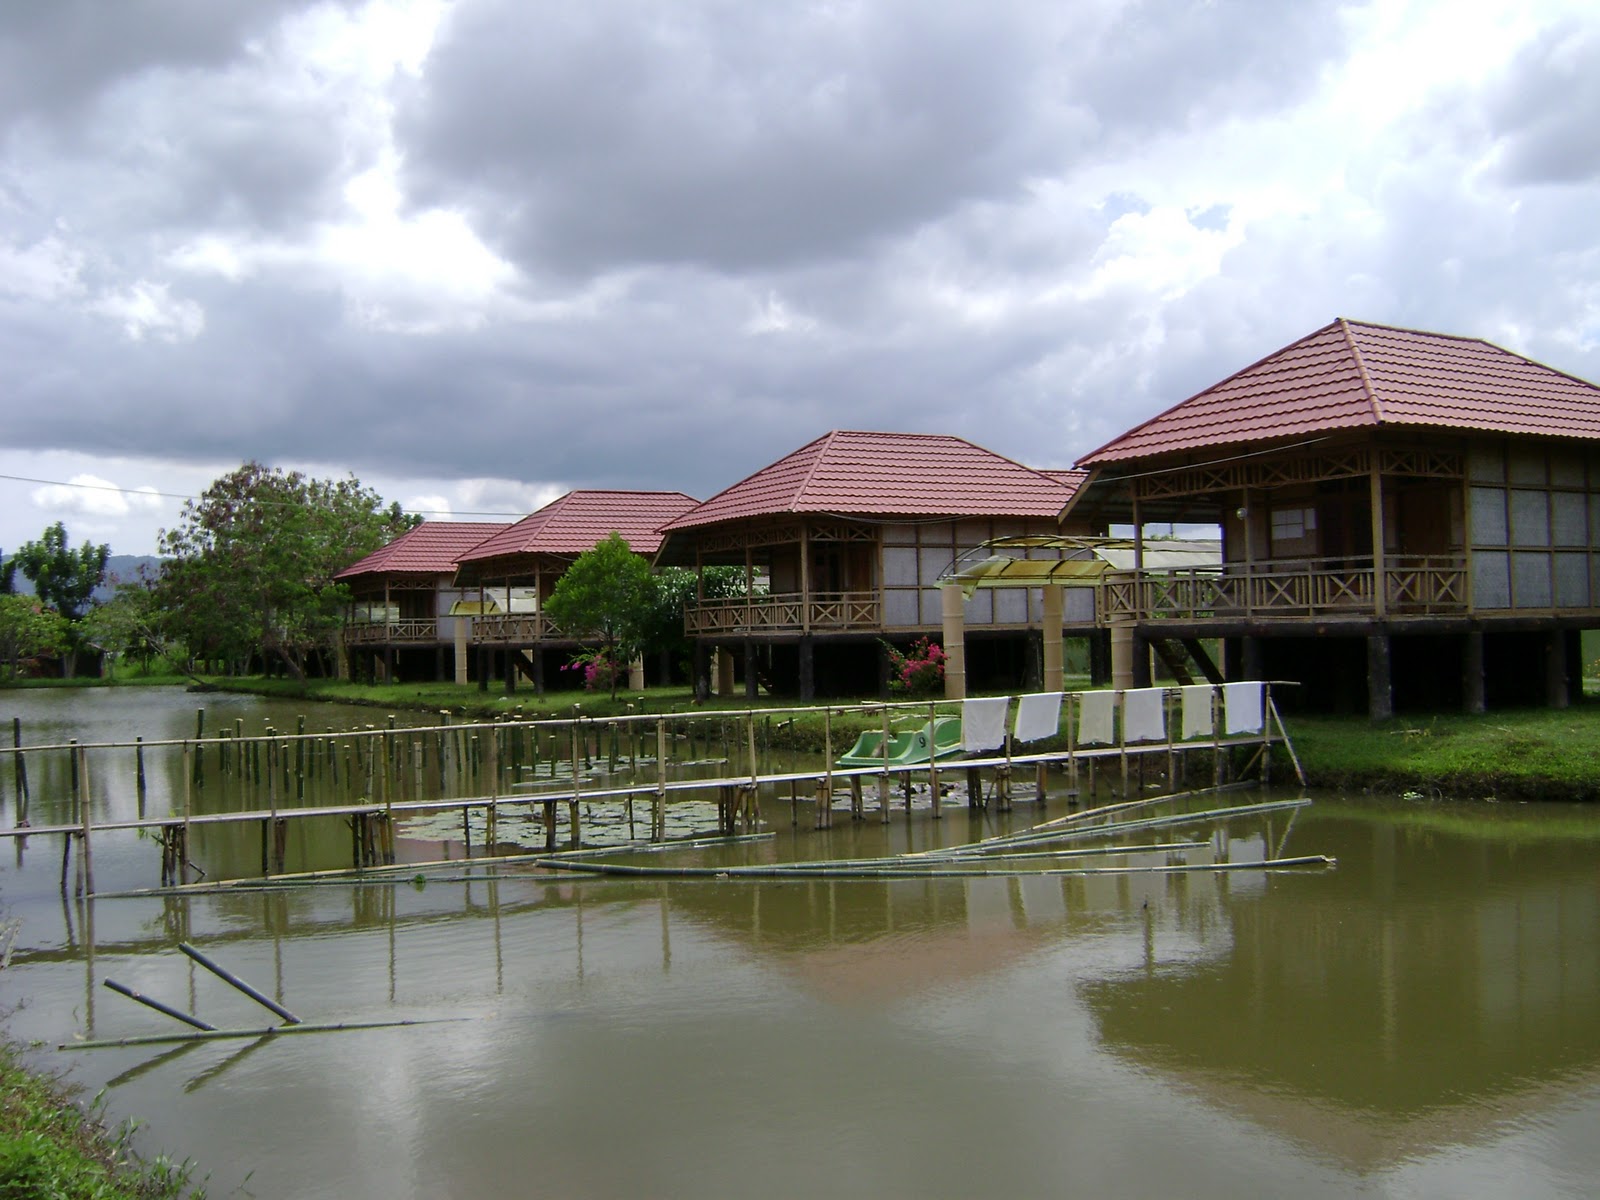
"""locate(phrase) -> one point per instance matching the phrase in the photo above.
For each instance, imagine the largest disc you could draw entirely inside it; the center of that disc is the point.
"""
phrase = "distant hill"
(118, 566)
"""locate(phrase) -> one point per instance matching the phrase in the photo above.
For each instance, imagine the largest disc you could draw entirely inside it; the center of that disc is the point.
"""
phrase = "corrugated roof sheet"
(1350, 375)
(432, 548)
(577, 521)
(887, 474)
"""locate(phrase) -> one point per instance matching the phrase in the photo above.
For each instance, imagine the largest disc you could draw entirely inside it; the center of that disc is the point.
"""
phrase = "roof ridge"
(1361, 368)
(811, 471)
(1128, 433)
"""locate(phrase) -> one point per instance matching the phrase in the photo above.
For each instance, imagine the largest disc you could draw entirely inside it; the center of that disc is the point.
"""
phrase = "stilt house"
(514, 572)
(1407, 518)
(850, 534)
(404, 601)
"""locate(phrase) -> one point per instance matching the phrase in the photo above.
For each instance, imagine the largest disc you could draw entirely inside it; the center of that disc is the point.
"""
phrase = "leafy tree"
(8, 574)
(605, 596)
(28, 628)
(673, 588)
(250, 568)
(64, 578)
(129, 624)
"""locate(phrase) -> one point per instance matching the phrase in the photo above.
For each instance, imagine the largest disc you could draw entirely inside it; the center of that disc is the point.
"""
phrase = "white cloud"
(148, 309)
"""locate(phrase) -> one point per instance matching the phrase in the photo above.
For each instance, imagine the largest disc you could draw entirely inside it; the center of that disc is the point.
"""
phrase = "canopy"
(1081, 562)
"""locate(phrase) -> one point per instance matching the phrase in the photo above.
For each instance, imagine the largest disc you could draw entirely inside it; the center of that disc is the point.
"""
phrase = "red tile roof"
(887, 474)
(577, 521)
(1350, 375)
(432, 548)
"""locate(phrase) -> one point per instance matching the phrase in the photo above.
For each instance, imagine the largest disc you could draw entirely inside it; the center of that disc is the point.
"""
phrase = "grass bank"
(49, 1147)
(1522, 754)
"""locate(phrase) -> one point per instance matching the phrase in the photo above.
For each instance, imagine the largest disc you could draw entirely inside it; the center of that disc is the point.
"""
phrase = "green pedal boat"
(939, 738)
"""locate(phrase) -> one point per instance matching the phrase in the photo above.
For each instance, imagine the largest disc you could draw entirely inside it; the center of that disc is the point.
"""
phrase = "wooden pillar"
(808, 668)
(724, 671)
(1380, 692)
(1250, 666)
(1555, 669)
(953, 614)
(536, 652)
(463, 632)
(702, 671)
(1100, 657)
(1380, 583)
(752, 686)
(1141, 661)
(1054, 603)
(1122, 655)
(1472, 685)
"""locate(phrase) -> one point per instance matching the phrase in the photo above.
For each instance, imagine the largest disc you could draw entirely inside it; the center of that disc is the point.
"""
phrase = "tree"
(64, 578)
(672, 589)
(28, 628)
(250, 569)
(129, 624)
(605, 597)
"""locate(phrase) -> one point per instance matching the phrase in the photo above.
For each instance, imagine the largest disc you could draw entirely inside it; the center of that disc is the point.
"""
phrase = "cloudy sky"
(479, 252)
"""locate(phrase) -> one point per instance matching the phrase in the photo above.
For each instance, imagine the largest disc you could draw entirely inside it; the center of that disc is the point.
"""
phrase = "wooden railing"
(830, 612)
(513, 628)
(1412, 585)
(387, 633)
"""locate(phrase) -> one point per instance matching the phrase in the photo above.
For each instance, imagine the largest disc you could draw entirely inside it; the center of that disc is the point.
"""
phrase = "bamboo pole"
(167, 1009)
(228, 977)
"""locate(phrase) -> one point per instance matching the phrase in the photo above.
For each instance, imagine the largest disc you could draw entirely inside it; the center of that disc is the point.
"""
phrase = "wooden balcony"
(1292, 588)
(822, 612)
(392, 633)
(514, 629)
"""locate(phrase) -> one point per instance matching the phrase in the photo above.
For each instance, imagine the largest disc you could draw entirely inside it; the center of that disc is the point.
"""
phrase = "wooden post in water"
(138, 773)
(19, 771)
(86, 858)
(183, 866)
(825, 784)
(933, 759)
(199, 733)
(883, 778)
(658, 805)
(490, 832)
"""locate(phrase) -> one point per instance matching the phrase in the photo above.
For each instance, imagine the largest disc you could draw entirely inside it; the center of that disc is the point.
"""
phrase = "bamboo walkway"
(517, 772)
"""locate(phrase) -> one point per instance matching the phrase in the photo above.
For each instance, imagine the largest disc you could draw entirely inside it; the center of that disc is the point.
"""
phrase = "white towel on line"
(1094, 718)
(1144, 715)
(983, 723)
(1038, 716)
(1241, 705)
(1198, 713)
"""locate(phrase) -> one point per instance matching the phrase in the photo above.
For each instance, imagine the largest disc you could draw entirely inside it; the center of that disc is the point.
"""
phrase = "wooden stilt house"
(1407, 519)
(843, 543)
(514, 572)
(404, 602)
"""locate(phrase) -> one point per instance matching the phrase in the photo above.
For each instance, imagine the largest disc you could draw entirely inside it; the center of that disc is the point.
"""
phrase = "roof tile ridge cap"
(1361, 367)
(1223, 382)
(827, 439)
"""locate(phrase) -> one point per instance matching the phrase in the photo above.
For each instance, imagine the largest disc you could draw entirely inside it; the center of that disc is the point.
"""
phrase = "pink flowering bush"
(919, 670)
(599, 672)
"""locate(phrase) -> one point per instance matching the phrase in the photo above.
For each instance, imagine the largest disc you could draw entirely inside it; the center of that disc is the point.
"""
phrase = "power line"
(111, 487)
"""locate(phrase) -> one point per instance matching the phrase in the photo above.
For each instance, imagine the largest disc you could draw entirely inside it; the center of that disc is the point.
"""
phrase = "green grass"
(1546, 754)
(50, 1149)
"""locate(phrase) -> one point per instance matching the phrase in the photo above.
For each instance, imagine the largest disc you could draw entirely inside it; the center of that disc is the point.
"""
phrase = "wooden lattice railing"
(784, 613)
(1413, 585)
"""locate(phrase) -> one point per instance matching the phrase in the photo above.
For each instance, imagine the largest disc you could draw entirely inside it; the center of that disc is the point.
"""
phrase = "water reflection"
(1398, 1025)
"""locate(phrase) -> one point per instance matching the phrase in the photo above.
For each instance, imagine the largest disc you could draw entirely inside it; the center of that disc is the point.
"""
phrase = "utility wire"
(111, 487)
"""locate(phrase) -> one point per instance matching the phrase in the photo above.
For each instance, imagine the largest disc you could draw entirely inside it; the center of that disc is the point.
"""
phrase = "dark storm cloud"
(747, 136)
(1546, 111)
(57, 55)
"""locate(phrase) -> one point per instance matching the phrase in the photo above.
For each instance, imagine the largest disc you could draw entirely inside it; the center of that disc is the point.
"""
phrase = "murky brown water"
(1422, 1021)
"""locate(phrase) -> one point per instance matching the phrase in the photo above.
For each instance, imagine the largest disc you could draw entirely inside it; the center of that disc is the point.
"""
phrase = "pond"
(1422, 1020)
